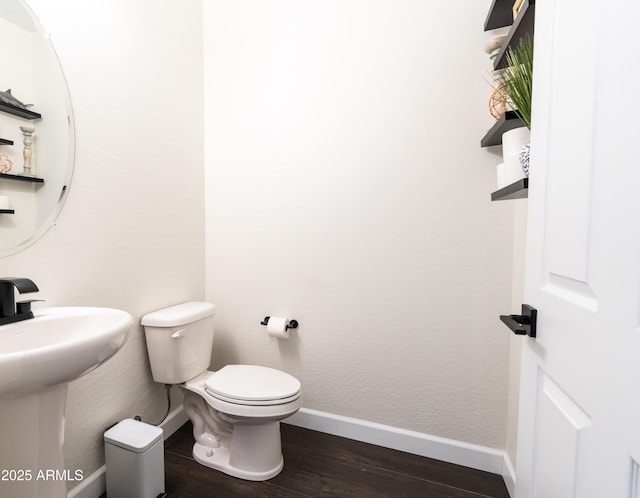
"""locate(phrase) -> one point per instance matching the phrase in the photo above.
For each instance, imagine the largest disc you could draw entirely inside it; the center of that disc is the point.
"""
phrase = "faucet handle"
(25, 306)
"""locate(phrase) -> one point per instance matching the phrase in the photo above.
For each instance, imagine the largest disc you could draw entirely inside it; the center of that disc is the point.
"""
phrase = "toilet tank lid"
(180, 314)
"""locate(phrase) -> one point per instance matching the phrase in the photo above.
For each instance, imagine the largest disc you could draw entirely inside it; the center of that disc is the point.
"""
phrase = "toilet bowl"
(235, 411)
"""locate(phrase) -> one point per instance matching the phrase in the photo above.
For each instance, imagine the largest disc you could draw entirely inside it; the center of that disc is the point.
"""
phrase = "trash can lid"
(133, 435)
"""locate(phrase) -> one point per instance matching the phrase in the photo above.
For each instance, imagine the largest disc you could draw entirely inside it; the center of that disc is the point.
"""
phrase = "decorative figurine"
(8, 98)
(5, 163)
(27, 131)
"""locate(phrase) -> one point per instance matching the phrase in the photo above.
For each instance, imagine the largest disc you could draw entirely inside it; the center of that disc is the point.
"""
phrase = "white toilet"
(235, 411)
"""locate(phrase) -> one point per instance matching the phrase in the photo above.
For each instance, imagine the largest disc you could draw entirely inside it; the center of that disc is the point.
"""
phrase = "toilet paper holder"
(293, 324)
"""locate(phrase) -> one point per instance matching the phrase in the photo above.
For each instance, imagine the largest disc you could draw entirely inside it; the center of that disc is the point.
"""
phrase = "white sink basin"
(38, 359)
(58, 345)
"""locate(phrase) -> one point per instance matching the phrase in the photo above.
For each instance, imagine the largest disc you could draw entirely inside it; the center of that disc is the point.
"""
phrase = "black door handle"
(524, 324)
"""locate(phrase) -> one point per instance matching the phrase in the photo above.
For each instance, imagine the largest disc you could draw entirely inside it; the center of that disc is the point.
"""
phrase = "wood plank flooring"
(322, 465)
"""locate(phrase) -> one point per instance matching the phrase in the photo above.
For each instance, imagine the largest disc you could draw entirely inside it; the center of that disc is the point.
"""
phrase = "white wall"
(131, 233)
(346, 188)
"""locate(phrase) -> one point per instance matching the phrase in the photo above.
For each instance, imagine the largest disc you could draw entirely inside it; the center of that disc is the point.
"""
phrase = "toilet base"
(240, 440)
(218, 459)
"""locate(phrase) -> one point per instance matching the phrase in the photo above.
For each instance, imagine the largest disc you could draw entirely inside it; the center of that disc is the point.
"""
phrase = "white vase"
(525, 152)
(512, 143)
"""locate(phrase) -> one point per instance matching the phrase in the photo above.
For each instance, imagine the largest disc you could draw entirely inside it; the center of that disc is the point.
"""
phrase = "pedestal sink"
(38, 358)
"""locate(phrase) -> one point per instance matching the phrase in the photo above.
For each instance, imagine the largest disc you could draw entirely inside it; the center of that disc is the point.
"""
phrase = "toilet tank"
(179, 340)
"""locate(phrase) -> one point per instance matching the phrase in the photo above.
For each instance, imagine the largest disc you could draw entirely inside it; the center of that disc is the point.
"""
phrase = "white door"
(579, 426)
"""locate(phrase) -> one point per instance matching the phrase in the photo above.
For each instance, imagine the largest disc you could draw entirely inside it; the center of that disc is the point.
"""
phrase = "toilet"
(235, 411)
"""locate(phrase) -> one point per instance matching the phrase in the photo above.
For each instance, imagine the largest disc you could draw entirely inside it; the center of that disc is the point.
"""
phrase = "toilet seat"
(252, 385)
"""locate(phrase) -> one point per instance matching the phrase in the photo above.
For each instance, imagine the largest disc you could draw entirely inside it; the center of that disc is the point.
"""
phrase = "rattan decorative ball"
(498, 100)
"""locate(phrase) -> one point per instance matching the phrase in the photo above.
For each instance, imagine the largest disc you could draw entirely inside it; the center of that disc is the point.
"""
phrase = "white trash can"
(134, 454)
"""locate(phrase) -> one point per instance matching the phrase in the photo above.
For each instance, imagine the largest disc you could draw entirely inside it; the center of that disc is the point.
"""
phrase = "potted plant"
(517, 78)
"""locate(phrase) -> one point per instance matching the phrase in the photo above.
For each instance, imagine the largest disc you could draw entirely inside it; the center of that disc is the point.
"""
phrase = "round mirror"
(36, 130)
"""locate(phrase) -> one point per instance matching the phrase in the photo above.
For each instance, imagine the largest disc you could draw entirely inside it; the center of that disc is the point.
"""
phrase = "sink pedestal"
(38, 359)
(31, 434)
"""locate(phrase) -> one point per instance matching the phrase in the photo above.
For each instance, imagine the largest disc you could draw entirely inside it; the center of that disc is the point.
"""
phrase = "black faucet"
(9, 311)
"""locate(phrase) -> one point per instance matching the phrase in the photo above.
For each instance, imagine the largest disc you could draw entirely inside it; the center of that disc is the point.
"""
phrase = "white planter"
(513, 141)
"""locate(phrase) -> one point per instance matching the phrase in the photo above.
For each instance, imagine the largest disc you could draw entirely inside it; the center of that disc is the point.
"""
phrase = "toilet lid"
(252, 384)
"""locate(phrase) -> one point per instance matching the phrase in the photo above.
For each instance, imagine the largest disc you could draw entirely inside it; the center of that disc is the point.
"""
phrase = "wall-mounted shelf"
(508, 121)
(21, 178)
(521, 26)
(500, 15)
(517, 190)
(19, 111)
(4, 141)
(7, 211)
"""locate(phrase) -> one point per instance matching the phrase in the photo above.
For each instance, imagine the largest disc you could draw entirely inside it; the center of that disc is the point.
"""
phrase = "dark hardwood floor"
(322, 465)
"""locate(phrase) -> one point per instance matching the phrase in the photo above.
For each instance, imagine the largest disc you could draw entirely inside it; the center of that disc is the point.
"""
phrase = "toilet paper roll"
(4, 202)
(277, 327)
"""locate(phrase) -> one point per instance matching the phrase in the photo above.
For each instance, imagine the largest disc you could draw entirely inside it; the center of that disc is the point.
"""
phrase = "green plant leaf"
(518, 77)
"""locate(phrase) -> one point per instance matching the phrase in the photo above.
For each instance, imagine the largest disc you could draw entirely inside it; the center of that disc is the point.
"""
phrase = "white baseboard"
(509, 475)
(91, 487)
(95, 485)
(417, 443)
(176, 419)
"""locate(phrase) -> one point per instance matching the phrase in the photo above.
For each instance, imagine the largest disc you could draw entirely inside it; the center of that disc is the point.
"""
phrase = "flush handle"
(524, 324)
(178, 334)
